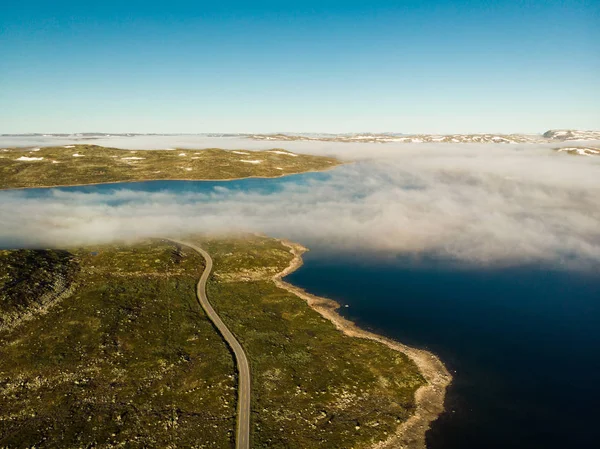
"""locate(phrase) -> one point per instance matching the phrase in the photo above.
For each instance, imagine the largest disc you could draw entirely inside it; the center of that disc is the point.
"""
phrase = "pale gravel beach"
(429, 398)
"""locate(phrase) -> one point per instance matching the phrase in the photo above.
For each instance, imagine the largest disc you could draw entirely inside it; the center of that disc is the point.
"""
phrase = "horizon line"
(135, 133)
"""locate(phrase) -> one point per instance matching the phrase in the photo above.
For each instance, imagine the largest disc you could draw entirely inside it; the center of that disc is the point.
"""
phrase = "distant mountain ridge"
(571, 134)
(548, 136)
(554, 135)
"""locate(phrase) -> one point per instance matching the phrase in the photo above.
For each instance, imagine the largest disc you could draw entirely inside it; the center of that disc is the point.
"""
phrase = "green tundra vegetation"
(92, 164)
(128, 358)
(313, 387)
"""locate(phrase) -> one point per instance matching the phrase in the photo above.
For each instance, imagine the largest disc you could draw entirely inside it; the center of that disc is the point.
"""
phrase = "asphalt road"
(243, 405)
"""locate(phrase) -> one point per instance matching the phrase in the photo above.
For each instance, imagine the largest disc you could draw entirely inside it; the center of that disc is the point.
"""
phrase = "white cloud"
(474, 203)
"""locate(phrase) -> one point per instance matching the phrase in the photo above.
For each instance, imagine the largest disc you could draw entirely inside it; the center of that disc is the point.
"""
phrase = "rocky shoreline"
(429, 398)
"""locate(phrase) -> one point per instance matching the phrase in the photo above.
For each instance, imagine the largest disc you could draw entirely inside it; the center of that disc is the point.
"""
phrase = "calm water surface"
(523, 343)
(257, 185)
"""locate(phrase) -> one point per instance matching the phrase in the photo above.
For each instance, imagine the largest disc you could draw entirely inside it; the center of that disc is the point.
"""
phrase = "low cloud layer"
(491, 204)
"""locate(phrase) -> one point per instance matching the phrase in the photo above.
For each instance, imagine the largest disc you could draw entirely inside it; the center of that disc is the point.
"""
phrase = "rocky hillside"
(571, 134)
(580, 151)
(548, 136)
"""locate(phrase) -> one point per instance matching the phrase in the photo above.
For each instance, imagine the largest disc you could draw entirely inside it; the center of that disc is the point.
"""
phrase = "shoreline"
(429, 398)
(6, 189)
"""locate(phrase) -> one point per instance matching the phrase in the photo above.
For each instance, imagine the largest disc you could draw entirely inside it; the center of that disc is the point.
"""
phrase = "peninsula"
(91, 164)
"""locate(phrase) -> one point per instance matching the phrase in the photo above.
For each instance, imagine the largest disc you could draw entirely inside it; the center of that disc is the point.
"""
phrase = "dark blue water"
(523, 343)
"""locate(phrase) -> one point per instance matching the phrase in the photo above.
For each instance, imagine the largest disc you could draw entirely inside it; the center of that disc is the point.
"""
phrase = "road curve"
(243, 403)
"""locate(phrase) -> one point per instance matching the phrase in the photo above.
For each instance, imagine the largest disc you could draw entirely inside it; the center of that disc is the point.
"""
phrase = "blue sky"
(323, 66)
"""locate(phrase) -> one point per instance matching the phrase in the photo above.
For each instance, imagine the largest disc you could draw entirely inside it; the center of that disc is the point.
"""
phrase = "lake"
(522, 342)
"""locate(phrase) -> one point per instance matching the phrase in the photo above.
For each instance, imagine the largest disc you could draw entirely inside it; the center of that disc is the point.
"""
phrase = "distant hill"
(548, 136)
(571, 134)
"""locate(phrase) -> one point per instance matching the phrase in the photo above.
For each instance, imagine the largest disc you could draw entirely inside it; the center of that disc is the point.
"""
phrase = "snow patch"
(581, 151)
(283, 152)
(254, 161)
(25, 158)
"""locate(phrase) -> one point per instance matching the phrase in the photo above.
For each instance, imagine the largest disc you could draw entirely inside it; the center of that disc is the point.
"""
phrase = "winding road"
(243, 403)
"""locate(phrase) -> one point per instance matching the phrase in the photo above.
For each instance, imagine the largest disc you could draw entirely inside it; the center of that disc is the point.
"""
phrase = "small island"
(91, 164)
(580, 150)
(106, 345)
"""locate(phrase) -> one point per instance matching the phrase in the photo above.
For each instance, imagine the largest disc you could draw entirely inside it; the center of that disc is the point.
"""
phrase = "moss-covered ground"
(129, 359)
(92, 164)
(313, 387)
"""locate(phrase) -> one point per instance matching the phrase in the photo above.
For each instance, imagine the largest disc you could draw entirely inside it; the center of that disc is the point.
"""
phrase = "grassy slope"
(130, 357)
(98, 165)
(313, 387)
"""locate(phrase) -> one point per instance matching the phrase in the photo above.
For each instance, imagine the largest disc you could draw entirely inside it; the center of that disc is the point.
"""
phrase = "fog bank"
(485, 204)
